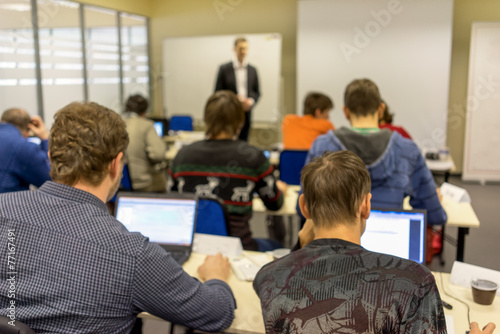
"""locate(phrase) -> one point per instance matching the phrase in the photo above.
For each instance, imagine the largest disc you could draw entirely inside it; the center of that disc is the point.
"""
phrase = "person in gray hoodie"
(396, 166)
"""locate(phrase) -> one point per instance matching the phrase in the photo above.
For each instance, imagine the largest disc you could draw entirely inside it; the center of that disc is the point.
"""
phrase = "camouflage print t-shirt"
(335, 286)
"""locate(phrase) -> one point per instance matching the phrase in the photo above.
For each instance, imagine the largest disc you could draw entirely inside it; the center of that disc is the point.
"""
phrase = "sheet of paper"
(462, 274)
(213, 244)
(438, 165)
(449, 324)
(454, 193)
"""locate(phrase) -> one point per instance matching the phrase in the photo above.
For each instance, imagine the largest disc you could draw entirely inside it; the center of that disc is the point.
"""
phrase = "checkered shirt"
(78, 269)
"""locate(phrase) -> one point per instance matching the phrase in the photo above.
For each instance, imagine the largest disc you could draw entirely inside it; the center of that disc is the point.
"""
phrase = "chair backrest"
(19, 327)
(291, 163)
(184, 123)
(212, 216)
(126, 181)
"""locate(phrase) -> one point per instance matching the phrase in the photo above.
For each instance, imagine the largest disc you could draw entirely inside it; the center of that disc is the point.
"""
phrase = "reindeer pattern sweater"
(232, 170)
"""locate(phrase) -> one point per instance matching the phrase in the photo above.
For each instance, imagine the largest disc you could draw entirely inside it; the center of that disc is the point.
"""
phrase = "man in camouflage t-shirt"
(333, 285)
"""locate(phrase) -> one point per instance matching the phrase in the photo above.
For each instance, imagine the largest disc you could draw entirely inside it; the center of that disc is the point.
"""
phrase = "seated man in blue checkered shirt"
(76, 269)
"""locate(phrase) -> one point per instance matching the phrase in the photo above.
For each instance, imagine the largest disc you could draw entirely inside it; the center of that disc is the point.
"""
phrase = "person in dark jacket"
(23, 162)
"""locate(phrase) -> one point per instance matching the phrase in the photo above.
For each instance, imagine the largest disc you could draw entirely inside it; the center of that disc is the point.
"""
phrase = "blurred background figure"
(299, 132)
(241, 78)
(229, 168)
(146, 151)
(23, 162)
(385, 122)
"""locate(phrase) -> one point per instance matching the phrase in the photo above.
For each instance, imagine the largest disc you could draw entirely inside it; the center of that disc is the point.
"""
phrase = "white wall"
(403, 46)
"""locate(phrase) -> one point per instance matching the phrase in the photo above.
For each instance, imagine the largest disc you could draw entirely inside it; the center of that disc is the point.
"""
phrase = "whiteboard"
(191, 64)
(403, 46)
(482, 135)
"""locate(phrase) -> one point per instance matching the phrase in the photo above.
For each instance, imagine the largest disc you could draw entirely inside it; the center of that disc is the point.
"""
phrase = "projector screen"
(403, 46)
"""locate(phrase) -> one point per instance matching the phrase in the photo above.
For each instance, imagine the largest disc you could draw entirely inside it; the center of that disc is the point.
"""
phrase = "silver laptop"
(396, 232)
(166, 219)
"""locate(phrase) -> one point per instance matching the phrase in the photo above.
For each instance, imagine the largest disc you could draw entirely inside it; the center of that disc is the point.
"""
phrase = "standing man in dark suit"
(241, 78)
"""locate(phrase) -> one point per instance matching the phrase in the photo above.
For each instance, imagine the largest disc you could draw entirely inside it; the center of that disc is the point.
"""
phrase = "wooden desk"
(479, 313)
(171, 153)
(441, 167)
(248, 315)
(288, 207)
(182, 138)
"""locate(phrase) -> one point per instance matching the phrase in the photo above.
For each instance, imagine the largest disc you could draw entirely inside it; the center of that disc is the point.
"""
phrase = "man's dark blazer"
(226, 80)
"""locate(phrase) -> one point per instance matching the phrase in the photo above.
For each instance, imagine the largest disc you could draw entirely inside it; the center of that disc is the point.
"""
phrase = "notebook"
(166, 219)
(396, 232)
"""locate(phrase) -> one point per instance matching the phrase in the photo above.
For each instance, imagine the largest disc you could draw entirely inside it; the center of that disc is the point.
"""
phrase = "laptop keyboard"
(179, 257)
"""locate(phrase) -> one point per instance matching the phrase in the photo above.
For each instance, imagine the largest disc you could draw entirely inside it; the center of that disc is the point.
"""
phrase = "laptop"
(396, 232)
(166, 219)
(159, 128)
(34, 140)
(160, 125)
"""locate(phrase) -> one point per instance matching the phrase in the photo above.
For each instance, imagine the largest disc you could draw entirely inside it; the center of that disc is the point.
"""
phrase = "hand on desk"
(282, 186)
(440, 196)
(215, 267)
(488, 329)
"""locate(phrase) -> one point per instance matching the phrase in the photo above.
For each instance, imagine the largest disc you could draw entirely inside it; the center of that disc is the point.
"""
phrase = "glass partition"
(102, 54)
(17, 57)
(61, 55)
(135, 60)
(67, 73)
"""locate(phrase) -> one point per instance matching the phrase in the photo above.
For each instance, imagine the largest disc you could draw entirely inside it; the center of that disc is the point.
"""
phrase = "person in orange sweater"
(299, 132)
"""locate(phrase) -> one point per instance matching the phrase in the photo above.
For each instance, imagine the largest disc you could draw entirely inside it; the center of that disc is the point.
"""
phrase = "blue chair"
(212, 216)
(178, 123)
(126, 181)
(291, 164)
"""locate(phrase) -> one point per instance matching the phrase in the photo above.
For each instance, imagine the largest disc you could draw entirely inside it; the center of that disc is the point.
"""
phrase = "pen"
(446, 305)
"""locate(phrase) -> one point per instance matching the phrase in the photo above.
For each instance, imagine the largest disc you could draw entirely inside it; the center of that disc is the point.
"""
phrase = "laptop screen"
(159, 128)
(166, 221)
(396, 232)
(34, 140)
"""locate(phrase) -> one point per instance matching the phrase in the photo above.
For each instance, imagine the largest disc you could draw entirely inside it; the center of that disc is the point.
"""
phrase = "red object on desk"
(434, 244)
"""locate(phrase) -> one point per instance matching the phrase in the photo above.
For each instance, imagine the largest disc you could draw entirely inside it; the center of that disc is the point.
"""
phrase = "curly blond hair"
(84, 139)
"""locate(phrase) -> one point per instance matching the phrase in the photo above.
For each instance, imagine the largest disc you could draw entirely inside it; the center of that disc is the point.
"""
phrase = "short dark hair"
(84, 139)
(315, 100)
(362, 97)
(386, 116)
(137, 103)
(239, 40)
(17, 117)
(223, 112)
(334, 186)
